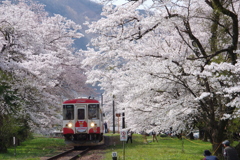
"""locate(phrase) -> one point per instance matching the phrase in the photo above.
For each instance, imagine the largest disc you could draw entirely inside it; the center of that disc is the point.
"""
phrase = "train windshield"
(68, 112)
(93, 111)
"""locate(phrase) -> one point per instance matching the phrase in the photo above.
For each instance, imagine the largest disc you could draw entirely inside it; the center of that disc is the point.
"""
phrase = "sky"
(119, 2)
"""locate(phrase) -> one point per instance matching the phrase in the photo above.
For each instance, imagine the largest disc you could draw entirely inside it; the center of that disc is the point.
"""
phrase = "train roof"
(81, 100)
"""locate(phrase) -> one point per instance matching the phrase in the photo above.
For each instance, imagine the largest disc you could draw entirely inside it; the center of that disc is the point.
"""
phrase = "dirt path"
(99, 152)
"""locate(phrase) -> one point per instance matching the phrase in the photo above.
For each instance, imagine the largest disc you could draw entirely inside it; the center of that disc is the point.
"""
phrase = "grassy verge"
(35, 148)
(165, 149)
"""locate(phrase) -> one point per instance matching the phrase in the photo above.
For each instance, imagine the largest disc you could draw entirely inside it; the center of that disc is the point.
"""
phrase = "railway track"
(71, 154)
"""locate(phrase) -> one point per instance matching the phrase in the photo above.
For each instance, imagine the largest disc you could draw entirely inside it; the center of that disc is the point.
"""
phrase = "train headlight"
(70, 125)
(92, 124)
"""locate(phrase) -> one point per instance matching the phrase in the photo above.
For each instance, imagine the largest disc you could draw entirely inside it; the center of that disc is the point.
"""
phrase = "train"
(83, 122)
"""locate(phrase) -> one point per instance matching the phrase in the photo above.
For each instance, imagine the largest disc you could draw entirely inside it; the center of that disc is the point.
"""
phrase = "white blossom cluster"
(161, 65)
(37, 51)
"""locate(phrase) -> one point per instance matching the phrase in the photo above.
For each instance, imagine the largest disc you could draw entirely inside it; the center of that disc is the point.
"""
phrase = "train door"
(81, 123)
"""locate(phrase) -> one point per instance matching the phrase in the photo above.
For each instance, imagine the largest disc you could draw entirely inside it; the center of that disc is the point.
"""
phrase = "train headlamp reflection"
(70, 125)
(92, 124)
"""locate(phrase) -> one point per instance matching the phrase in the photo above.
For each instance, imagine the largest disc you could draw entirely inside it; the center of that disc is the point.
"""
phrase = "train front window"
(93, 111)
(81, 114)
(68, 112)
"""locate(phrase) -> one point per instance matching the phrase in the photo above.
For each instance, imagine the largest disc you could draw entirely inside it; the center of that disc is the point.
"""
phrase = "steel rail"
(73, 157)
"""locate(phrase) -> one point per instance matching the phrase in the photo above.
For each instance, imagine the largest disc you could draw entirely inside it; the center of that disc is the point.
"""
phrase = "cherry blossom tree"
(171, 65)
(36, 51)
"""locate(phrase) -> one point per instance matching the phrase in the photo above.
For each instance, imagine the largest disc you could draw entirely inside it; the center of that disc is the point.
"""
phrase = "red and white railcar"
(82, 122)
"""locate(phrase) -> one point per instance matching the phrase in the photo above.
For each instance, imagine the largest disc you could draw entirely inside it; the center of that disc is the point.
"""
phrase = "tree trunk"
(3, 147)
(218, 135)
(238, 149)
(191, 136)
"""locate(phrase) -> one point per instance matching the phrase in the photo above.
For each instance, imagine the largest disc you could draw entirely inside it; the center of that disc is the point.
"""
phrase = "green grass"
(165, 149)
(35, 148)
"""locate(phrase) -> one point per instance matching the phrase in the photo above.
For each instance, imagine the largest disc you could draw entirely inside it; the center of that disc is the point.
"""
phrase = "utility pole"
(101, 100)
(113, 115)
(123, 120)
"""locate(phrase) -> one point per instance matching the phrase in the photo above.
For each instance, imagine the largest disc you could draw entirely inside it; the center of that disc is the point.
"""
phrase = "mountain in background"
(76, 10)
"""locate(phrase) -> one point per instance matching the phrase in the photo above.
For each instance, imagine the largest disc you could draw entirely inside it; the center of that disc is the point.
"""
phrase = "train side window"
(68, 112)
(93, 111)
(81, 114)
